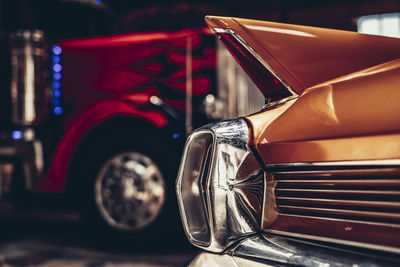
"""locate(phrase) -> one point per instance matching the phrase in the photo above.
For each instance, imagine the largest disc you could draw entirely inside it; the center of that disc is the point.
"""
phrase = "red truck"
(99, 123)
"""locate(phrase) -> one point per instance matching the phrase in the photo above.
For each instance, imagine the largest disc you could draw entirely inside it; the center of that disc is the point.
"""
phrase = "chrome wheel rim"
(129, 191)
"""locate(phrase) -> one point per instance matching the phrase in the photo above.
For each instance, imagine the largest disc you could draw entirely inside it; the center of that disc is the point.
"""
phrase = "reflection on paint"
(323, 106)
(280, 30)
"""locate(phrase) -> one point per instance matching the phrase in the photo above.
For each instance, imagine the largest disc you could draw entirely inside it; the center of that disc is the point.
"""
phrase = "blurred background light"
(380, 24)
(57, 67)
(58, 110)
(57, 76)
(57, 50)
(56, 81)
(16, 135)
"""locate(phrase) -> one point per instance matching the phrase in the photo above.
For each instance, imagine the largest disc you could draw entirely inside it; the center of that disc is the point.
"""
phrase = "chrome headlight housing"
(220, 186)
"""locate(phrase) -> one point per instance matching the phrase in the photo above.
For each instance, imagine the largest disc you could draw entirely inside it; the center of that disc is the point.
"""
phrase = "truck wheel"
(129, 191)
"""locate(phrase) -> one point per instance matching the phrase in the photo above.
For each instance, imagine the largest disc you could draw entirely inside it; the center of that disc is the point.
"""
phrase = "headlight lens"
(194, 167)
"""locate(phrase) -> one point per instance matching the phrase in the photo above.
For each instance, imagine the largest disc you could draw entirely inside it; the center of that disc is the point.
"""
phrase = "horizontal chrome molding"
(334, 240)
(369, 214)
(343, 202)
(339, 191)
(339, 220)
(222, 30)
(264, 63)
(335, 171)
(344, 181)
(359, 163)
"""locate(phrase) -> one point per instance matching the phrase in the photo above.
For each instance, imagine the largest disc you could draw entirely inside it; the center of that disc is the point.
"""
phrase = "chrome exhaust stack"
(24, 105)
(29, 92)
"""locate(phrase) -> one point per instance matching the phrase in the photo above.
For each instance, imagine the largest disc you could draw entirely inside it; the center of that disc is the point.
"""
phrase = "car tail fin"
(270, 84)
(284, 59)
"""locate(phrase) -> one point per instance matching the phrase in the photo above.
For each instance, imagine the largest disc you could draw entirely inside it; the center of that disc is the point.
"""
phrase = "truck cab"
(100, 121)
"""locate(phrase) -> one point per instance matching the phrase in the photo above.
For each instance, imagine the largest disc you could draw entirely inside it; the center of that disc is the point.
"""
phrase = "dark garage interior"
(41, 219)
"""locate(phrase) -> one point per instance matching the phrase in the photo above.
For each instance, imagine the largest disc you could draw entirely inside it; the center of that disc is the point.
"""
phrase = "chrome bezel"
(225, 189)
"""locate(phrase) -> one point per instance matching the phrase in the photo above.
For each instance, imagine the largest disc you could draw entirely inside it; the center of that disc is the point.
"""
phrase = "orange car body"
(328, 144)
(345, 107)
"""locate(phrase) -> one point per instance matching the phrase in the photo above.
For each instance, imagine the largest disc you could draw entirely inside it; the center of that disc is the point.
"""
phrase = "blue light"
(57, 67)
(56, 93)
(56, 85)
(98, 1)
(56, 59)
(57, 50)
(16, 135)
(175, 136)
(58, 110)
(57, 76)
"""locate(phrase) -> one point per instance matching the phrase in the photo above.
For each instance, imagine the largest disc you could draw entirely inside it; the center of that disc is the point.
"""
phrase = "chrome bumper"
(269, 250)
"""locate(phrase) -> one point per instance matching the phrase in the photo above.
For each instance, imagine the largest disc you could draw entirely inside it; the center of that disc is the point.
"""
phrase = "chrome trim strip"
(264, 63)
(375, 168)
(338, 220)
(221, 30)
(357, 163)
(367, 214)
(350, 202)
(375, 192)
(281, 101)
(344, 181)
(337, 241)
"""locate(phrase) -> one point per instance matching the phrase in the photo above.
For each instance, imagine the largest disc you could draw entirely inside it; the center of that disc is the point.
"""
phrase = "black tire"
(151, 146)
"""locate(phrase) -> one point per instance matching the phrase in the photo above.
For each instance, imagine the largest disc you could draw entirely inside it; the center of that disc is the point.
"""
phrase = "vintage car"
(314, 177)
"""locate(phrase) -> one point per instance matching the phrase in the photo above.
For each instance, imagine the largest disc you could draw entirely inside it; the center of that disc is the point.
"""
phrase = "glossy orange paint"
(306, 56)
(347, 109)
(354, 117)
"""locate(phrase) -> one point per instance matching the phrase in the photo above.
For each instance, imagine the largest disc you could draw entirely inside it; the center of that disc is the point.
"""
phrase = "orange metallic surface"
(354, 117)
(347, 109)
(339, 149)
(306, 56)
